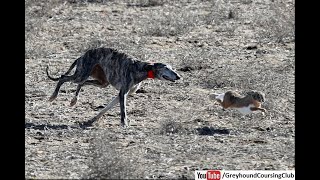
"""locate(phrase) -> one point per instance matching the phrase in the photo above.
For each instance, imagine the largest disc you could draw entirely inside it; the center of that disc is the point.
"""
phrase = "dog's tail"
(52, 78)
(69, 70)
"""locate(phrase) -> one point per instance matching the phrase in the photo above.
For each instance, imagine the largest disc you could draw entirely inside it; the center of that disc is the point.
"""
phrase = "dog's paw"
(125, 123)
(53, 97)
(86, 124)
(73, 101)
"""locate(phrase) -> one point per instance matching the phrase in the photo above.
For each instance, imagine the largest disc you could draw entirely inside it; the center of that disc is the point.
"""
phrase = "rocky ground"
(215, 46)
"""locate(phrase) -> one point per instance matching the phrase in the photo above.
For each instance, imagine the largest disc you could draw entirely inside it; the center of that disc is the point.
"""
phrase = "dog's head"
(163, 72)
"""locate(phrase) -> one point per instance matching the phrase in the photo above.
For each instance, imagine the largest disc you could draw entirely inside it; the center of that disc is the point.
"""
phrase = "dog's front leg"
(123, 98)
(102, 112)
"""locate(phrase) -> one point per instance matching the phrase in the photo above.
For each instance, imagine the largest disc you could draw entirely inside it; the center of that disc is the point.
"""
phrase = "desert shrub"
(171, 127)
(276, 23)
(221, 11)
(107, 162)
(145, 3)
(168, 22)
(170, 25)
(88, 1)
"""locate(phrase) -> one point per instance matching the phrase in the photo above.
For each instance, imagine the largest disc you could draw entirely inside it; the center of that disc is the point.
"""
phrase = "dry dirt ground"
(215, 46)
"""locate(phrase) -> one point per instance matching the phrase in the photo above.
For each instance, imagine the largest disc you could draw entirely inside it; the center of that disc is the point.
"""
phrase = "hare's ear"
(232, 98)
(148, 67)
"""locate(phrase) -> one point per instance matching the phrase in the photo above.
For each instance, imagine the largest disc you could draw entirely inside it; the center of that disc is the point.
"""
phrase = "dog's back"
(115, 65)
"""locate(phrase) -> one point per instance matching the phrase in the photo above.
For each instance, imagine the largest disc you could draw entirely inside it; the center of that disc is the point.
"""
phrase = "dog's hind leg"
(62, 80)
(87, 82)
(75, 98)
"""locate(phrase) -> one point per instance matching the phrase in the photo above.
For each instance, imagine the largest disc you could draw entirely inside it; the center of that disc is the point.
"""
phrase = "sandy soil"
(175, 128)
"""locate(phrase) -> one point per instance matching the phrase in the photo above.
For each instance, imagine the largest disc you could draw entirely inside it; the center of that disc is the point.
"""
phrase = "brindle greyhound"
(108, 66)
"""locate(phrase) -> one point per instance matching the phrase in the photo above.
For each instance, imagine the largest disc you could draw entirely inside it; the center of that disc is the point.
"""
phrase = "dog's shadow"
(47, 126)
(210, 131)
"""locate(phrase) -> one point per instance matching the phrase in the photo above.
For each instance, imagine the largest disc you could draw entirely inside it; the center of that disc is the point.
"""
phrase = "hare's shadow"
(210, 131)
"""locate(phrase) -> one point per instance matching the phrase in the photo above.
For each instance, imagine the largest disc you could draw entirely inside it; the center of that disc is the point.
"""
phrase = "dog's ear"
(148, 67)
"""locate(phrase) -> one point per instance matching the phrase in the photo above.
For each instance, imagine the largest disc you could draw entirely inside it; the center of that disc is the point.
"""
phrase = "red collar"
(151, 74)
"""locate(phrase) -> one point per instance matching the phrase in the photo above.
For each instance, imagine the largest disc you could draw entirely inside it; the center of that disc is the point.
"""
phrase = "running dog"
(108, 66)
